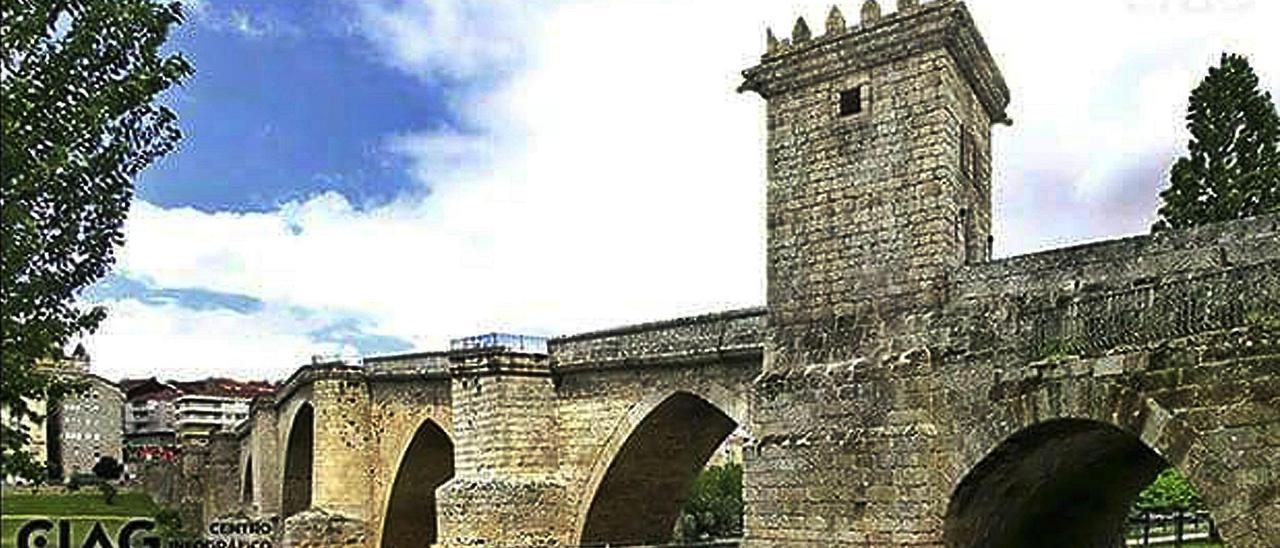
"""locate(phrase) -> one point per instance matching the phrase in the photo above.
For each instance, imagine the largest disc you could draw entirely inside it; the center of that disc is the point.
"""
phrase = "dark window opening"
(976, 162)
(964, 235)
(967, 155)
(851, 101)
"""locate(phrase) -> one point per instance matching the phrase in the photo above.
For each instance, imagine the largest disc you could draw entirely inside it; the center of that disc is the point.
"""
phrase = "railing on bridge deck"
(1175, 529)
(714, 543)
(1157, 311)
(524, 344)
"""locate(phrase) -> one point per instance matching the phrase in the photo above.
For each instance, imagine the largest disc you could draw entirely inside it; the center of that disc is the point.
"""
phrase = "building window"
(967, 152)
(851, 101)
(976, 162)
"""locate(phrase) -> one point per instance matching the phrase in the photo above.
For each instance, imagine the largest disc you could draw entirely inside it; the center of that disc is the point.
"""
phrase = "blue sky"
(374, 176)
(287, 102)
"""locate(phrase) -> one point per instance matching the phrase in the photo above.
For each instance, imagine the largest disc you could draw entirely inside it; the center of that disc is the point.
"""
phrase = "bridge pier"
(506, 490)
(316, 528)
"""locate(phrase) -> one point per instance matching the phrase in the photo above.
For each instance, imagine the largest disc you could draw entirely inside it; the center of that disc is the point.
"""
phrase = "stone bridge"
(413, 447)
(900, 386)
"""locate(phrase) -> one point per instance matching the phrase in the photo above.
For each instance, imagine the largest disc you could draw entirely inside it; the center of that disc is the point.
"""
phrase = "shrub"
(714, 508)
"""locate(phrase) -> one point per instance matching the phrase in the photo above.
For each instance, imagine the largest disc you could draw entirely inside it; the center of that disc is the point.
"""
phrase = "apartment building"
(165, 413)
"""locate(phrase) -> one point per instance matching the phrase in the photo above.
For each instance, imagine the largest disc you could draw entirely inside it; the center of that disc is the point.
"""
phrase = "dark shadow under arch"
(1060, 483)
(640, 497)
(411, 507)
(246, 485)
(299, 454)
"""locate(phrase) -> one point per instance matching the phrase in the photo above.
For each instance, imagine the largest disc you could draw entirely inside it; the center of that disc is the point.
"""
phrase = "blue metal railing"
(524, 344)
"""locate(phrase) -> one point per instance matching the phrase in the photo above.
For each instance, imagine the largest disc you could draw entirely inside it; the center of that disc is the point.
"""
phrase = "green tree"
(714, 508)
(1232, 166)
(108, 469)
(79, 80)
(1168, 493)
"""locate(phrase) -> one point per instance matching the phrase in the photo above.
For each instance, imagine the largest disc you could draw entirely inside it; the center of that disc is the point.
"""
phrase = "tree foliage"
(1170, 492)
(1232, 166)
(79, 81)
(714, 508)
(108, 469)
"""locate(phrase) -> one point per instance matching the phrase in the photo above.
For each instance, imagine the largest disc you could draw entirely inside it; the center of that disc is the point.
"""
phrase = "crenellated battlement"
(879, 38)
(835, 26)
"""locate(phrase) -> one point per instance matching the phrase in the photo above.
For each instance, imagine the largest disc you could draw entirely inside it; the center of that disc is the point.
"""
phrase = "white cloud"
(1099, 92)
(614, 176)
(170, 341)
(238, 21)
(453, 38)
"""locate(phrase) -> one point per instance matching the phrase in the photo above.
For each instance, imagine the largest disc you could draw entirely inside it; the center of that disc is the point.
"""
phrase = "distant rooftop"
(152, 388)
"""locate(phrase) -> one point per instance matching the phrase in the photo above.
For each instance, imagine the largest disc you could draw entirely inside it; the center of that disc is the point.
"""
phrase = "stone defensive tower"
(879, 177)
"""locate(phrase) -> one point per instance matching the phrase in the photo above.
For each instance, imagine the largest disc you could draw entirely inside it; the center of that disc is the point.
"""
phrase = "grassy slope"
(18, 508)
(90, 503)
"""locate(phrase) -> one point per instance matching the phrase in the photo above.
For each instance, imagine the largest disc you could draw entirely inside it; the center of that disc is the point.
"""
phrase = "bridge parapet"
(1094, 324)
(1124, 263)
(715, 336)
(418, 363)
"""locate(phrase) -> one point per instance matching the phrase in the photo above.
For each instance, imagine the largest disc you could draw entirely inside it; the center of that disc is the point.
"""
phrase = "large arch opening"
(411, 508)
(1060, 483)
(640, 497)
(299, 454)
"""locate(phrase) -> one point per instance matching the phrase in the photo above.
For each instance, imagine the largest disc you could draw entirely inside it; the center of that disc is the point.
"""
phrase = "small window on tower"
(851, 101)
(967, 154)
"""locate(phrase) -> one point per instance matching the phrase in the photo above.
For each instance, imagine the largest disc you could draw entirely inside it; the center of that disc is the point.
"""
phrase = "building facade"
(86, 427)
(79, 429)
(200, 415)
(161, 415)
(150, 416)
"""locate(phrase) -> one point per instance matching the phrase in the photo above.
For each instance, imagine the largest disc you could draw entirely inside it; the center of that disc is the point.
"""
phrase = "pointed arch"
(298, 462)
(642, 477)
(425, 464)
(1070, 457)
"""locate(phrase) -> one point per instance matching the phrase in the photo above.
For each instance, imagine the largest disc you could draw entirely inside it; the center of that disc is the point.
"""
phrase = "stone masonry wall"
(343, 471)
(504, 488)
(867, 211)
(1205, 404)
(398, 408)
(882, 317)
(710, 336)
(600, 410)
(265, 456)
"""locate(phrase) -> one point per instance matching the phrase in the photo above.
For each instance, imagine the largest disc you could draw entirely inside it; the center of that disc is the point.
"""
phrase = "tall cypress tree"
(1232, 166)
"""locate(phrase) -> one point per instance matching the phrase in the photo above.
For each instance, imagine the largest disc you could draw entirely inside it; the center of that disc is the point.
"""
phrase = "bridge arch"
(425, 464)
(641, 475)
(299, 462)
(1061, 465)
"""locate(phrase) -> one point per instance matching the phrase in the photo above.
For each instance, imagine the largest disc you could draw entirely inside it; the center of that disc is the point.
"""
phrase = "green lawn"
(82, 509)
(88, 503)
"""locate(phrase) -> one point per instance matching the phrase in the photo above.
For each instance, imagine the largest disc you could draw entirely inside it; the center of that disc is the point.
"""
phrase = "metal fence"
(1176, 529)
(716, 543)
(524, 344)
(1157, 311)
